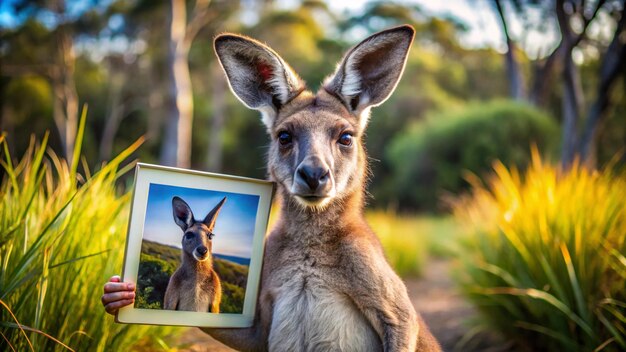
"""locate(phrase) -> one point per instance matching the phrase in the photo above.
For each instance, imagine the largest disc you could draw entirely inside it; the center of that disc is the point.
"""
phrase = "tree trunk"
(613, 64)
(110, 131)
(543, 78)
(516, 83)
(117, 108)
(115, 115)
(570, 104)
(572, 89)
(218, 87)
(176, 148)
(65, 105)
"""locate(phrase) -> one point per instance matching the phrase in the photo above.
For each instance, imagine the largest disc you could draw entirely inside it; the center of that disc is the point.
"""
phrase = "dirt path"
(446, 312)
(434, 296)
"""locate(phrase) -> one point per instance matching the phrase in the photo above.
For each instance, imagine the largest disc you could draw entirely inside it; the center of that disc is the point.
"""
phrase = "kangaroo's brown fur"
(194, 286)
(326, 285)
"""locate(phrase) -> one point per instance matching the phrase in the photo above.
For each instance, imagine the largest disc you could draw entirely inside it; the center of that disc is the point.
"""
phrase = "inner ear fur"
(183, 216)
(257, 75)
(370, 71)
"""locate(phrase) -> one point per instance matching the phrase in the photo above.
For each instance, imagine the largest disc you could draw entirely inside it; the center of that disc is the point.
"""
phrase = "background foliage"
(433, 155)
(119, 68)
(541, 249)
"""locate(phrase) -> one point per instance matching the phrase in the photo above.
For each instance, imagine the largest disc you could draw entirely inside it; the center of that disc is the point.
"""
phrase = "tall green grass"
(546, 261)
(62, 236)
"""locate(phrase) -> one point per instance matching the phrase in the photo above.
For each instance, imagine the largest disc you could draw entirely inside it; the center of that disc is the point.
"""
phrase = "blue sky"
(234, 228)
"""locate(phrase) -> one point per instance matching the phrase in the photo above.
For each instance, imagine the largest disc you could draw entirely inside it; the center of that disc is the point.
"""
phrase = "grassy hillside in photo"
(158, 262)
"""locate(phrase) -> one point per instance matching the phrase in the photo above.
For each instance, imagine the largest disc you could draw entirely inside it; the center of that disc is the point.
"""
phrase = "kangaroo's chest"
(196, 296)
(310, 314)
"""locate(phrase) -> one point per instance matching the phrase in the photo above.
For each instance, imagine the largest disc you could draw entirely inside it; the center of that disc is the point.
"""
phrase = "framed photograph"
(194, 248)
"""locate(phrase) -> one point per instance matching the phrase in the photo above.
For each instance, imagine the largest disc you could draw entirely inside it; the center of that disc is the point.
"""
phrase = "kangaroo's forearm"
(401, 327)
(398, 332)
(399, 338)
(241, 339)
(388, 308)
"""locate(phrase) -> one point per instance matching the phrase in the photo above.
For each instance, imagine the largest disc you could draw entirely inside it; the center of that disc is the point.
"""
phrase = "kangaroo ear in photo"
(182, 213)
(257, 75)
(211, 217)
(370, 71)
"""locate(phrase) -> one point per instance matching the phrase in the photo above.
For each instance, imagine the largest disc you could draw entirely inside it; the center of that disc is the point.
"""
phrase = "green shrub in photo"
(234, 273)
(152, 280)
(545, 256)
(432, 158)
(232, 298)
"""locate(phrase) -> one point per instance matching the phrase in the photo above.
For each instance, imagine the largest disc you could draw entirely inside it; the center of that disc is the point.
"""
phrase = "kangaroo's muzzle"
(313, 182)
(201, 253)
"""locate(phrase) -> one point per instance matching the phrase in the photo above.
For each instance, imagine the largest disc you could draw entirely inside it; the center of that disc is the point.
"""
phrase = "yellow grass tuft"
(546, 261)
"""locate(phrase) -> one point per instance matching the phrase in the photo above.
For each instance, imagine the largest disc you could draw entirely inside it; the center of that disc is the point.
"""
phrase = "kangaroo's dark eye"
(188, 235)
(345, 139)
(284, 138)
(210, 235)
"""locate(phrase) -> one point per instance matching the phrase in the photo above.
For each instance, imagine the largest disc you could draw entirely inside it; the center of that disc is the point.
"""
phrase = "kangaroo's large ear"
(258, 76)
(370, 71)
(182, 213)
(211, 217)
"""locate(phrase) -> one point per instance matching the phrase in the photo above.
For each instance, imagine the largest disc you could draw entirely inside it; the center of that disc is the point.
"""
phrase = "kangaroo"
(325, 285)
(194, 286)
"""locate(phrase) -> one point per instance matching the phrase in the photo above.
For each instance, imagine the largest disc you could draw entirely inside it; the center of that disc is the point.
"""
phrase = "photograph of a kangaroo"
(326, 285)
(194, 286)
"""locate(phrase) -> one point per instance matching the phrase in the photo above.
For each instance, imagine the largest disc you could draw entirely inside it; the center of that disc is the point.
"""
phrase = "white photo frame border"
(146, 174)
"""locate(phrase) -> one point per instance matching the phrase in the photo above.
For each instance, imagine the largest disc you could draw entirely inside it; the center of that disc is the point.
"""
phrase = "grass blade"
(18, 324)
(78, 142)
(37, 331)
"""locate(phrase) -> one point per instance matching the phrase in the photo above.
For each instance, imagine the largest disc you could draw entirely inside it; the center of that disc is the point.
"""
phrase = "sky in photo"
(234, 228)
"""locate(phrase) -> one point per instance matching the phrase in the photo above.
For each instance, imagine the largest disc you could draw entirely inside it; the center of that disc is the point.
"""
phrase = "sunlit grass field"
(545, 260)
(409, 240)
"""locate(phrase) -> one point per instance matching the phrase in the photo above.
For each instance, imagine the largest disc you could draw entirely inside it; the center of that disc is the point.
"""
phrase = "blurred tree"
(219, 89)
(122, 69)
(55, 62)
(176, 147)
(516, 84)
(574, 18)
(43, 44)
(613, 64)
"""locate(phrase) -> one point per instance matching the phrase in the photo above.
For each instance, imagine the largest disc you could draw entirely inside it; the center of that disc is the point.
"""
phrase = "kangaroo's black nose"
(202, 250)
(313, 176)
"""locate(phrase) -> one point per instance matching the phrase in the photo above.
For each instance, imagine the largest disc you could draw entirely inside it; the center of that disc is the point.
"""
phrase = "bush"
(545, 259)
(232, 298)
(434, 155)
(61, 237)
(152, 280)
